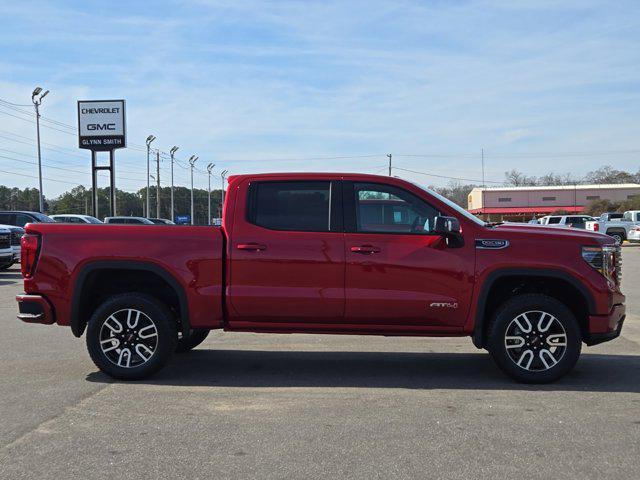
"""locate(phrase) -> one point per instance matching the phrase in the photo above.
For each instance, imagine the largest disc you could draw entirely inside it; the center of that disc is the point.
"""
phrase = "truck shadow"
(254, 368)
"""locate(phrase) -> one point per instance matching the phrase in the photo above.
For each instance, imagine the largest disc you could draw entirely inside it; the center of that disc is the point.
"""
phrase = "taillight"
(29, 254)
(596, 227)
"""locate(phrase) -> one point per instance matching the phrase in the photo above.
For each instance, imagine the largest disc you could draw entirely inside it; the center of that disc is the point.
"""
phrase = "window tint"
(387, 209)
(300, 206)
(6, 219)
(576, 222)
(553, 220)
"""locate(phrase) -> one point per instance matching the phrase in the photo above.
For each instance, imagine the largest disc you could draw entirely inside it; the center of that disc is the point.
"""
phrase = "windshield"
(43, 218)
(92, 219)
(453, 205)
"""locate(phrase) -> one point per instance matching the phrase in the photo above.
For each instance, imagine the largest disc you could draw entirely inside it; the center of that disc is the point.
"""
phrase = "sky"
(262, 86)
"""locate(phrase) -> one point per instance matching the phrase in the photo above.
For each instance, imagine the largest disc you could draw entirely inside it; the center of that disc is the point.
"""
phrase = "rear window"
(553, 220)
(296, 206)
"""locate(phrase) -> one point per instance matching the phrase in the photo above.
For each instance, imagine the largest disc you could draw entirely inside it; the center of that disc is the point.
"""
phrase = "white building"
(527, 202)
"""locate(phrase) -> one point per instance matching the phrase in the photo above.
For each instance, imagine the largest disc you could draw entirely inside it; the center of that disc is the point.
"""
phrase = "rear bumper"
(35, 309)
(603, 328)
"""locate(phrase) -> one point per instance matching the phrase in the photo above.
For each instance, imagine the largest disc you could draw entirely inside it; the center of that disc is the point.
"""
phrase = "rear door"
(398, 272)
(286, 254)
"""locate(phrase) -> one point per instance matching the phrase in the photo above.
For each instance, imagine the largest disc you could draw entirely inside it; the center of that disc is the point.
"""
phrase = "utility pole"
(223, 174)
(209, 169)
(36, 99)
(389, 157)
(482, 153)
(192, 162)
(172, 152)
(150, 139)
(158, 188)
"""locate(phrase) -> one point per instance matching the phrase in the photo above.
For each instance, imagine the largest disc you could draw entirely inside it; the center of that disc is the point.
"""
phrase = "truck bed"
(190, 257)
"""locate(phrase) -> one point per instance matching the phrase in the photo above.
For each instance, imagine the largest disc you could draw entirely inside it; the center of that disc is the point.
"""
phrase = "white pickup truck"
(617, 228)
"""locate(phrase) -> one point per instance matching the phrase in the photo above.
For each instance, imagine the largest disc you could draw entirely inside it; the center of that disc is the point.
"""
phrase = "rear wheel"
(195, 338)
(131, 336)
(619, 237)
(534, 338)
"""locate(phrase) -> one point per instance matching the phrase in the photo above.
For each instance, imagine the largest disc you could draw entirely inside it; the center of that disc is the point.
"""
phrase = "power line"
(446, 177)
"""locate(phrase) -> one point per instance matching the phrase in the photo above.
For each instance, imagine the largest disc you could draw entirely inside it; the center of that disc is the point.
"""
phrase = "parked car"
(161, 221)
(16, 235)
(617, 228)
(6, 252)
(634, 235)
(299, 253)
(572, 221)
(129, 220)
(20, 218)
(74, 218)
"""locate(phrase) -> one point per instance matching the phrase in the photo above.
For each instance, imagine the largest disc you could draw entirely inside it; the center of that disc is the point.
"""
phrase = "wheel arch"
(79, 305)
(496, 289)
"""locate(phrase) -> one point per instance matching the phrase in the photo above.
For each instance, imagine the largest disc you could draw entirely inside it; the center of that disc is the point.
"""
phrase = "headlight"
(606, 260)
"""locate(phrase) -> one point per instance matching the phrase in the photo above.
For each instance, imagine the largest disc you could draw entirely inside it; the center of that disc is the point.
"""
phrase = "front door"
(398, 273)
(286, 255)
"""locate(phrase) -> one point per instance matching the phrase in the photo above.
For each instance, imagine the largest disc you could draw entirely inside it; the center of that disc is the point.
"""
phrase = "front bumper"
(603, 328)
(35, 309)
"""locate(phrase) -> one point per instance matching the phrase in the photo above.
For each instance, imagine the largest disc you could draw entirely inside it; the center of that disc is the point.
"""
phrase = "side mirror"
(449, 228)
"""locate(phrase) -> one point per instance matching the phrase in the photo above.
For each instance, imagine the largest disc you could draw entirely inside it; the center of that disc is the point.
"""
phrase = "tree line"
(78, 200)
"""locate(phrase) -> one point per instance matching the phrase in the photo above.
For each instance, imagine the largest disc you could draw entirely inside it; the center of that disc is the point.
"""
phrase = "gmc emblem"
(101, 126)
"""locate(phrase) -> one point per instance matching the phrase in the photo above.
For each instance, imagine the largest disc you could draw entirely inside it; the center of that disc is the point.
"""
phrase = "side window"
(576, 222)
(7, 219)
(22, 220)
(387, 209)
(294, 206)
(637, 217)
(554, 220)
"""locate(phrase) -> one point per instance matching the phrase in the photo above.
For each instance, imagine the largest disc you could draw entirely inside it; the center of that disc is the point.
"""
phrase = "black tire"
(161, 342)
(195, 338)
(545, 346)
(619, 237)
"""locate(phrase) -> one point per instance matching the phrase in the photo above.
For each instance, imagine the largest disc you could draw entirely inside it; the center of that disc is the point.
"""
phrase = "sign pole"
(112, 174)
(94, 186)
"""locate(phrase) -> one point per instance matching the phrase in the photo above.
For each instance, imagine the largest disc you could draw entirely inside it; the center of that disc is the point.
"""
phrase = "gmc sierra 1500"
(326, 253)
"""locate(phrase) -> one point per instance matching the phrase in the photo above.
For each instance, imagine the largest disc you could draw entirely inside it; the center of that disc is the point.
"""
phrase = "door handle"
(365, 249)
(254, 247)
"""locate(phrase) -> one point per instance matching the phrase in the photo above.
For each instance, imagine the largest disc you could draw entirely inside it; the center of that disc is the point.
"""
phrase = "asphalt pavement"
(268, 406)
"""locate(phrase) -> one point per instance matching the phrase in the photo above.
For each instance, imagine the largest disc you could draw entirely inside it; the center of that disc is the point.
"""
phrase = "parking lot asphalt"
(307, 406)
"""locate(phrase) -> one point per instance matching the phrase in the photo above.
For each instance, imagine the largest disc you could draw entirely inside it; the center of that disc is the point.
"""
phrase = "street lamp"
(223, 174)
(192, 162)
(150, 139)
(36, 99)
(172, 152)
(209, 169)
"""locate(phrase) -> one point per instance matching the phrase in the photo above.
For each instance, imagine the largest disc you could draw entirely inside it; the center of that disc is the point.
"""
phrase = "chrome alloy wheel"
(128, 338)
(535, 341)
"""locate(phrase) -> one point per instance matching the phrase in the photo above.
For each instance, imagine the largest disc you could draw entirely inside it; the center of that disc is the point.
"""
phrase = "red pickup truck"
(326, 253)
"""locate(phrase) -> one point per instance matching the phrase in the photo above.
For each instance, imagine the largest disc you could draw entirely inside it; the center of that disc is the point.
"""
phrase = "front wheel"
(131, 336)
(617, 236)
(534, 338)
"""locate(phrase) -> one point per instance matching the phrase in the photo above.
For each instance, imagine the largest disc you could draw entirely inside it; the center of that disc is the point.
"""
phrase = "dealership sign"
(101, 124)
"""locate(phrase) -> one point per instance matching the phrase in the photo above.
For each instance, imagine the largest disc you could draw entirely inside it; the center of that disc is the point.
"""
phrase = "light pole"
(192, 162)
(36, 98)
(172, 152)
(209, 169)
(223, 174)
(158, 188)
(150, 139)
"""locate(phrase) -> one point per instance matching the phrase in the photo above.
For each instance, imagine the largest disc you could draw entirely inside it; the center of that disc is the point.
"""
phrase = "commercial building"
(523, 203)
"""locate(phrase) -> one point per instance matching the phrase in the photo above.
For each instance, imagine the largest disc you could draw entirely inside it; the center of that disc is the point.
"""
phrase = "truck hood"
(552, 232)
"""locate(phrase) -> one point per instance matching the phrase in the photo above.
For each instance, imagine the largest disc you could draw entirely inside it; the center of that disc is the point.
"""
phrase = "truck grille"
(618, 260)
(16, 235)
(5, 240)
